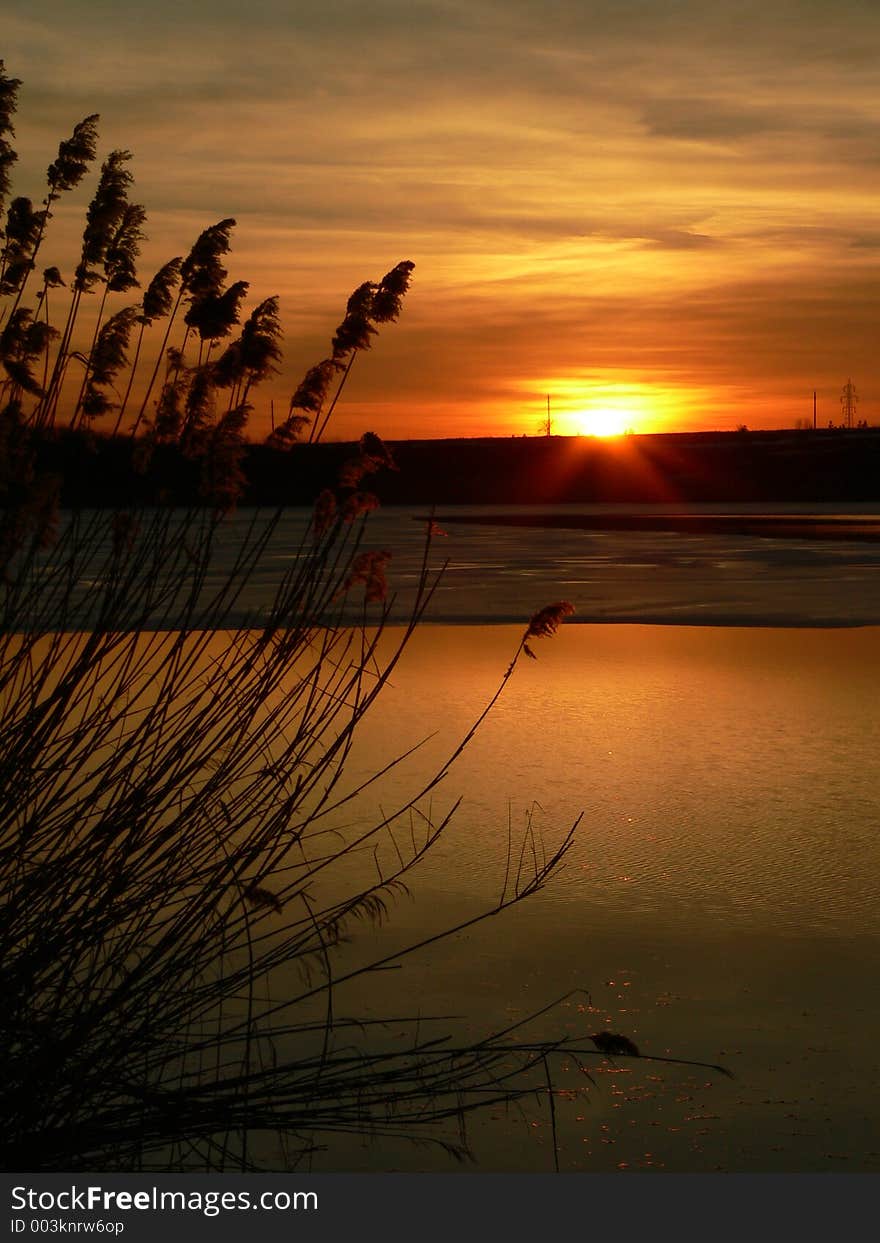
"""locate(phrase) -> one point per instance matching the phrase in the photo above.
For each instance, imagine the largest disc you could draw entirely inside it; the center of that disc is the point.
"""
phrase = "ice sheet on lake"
(498, 574)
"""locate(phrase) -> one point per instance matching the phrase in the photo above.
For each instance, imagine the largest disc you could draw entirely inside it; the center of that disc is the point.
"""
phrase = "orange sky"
(662, 212)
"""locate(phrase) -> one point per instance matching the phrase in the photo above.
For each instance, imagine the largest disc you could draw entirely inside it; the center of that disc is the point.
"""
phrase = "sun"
(602, 421)
(607, 406)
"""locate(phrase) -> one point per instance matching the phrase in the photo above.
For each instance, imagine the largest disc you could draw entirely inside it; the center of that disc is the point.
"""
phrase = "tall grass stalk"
(176, 874)
(174, 877)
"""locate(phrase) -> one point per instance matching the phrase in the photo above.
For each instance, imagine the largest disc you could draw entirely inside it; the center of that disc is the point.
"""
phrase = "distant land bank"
(794, 466)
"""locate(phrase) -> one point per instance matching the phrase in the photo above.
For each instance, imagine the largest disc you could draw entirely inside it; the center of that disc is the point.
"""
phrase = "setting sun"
(606, 403)
(602, 421)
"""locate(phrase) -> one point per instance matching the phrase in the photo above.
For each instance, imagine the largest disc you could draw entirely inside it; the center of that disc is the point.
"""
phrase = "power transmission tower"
(547, 424)
(848, 403)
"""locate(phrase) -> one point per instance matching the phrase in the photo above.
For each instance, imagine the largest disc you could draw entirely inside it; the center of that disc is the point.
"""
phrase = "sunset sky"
(663, 214)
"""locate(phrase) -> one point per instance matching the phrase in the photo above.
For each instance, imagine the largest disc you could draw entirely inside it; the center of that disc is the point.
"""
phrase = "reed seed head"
(369, 568)
(223, 480)
(214, 315)
(313, 388)
(22, 341)
(109, 355)
(124, 248)
(357, 504)
(75, 155)
(159, 295)
(253, 356)
(325, 512)
(201, 272)
(104, 217)
(388, 298)
(546, 621)
(8, 104)
(23, 226)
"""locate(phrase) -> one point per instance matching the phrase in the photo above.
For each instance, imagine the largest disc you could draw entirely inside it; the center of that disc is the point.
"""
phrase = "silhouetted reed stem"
(46, 410)
(77, 405)
(181, 851)
(160, 358)
(132, 371)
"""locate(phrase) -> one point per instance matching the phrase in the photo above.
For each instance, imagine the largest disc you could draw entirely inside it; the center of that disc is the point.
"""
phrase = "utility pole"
(848, 403)
(814, 409)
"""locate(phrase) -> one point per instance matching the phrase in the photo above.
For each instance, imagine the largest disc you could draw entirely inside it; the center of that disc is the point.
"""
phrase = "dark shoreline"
(802, 467)
(765, 526)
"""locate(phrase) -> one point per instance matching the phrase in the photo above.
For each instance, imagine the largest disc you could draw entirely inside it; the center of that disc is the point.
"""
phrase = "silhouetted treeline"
(706, 467)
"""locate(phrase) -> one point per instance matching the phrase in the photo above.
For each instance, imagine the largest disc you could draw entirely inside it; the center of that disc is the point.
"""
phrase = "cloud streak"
(684, 190)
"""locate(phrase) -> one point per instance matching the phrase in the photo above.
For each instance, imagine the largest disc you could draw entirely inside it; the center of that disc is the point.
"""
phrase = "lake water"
(721, 901)
(498, 574)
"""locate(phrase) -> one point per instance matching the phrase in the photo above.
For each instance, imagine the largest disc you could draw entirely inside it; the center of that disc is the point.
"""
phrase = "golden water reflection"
(721, 901)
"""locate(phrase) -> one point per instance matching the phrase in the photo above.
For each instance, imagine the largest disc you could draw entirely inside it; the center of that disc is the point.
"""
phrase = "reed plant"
(178, 868)
(176, 882)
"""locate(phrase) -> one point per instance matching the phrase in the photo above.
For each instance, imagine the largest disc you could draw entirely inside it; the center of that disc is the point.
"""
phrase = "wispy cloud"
(627, 184)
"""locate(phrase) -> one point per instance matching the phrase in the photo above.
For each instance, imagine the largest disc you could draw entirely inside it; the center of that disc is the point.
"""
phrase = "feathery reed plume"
(201, 272)
(309, 396)
(103, 218)
(260, 344)
(22, 341)
(353, 472)
(388, 298)
(116, 235)
(370, 304)
(547, 620)
(8, 104)
(357, 504)
(376, 452)
(356, 330)
(23, 228)
(75, 154)
(123, 250)
(369, 568)
(109, 355)
(373, 455)
(165, 426)
(222, 478)
(306, 403)
(288, 432)
(324, 514)
(253, 356)
(543, 625)
(198, 409)
(214, 315)
(159, 294)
